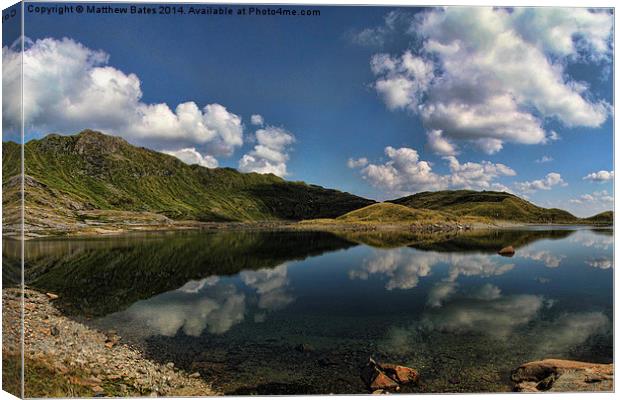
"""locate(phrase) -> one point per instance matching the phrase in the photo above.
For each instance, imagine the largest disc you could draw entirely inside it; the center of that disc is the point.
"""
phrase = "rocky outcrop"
(383, 378)
(554, 375)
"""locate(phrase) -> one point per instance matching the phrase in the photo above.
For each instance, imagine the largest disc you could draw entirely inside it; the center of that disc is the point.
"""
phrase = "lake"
(301, 312)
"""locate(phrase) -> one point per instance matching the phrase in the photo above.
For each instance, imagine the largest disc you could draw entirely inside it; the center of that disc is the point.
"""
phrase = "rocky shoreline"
(80, 361)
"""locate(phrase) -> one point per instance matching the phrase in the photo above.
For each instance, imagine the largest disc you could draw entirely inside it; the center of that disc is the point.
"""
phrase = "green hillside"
(67, 176)
(494, 205)
(393, 213)
(606, 217)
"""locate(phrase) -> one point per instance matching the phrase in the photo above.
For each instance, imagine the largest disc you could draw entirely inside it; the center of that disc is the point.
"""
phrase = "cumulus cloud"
(601, 263)
(495, 317)
(215, 307)
(87, 92)
(440, 292)
(403, 269)
(357, 162)
(490, 76)
(439, 144)
(192, 156)
(257, 119)
(600, 176)
(550, 180)
(544, 159)
(404, 172)
(379, 35)
(601, 198)
(270, 154)
(546, 257)
(271, 285)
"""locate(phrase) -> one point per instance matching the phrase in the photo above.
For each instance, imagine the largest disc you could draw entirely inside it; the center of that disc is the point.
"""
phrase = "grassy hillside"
(68, 176)
(604, 218)
(493, 205)
(393, 213)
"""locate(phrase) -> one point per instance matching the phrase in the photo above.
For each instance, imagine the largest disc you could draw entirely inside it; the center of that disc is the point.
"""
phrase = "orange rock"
(382, 381)
(401, 374)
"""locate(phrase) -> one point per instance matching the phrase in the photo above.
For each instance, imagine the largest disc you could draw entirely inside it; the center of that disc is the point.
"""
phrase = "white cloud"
(439, 144)
(545, 256)
(192, 156)
(270, 154)
(271, 285)
(490, 75)
(377, 36)
(357, 162)
(601, 197)
(544, 159)
(601, 263)
(600, 176)
(88, 93)
(404, 172)
(257, 119)
(550, 180)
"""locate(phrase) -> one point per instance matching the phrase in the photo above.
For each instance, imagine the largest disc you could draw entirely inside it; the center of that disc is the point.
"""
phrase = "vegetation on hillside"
(66, 175)
(493, 205)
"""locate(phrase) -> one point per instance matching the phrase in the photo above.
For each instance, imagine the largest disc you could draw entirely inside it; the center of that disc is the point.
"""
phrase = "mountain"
(494, 205)
(71, 178)
(606, 218)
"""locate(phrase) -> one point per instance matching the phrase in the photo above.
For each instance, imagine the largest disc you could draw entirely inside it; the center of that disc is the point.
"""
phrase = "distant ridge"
(494, 205)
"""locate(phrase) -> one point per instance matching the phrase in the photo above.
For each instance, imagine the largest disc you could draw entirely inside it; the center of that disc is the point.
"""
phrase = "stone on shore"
(555, 375)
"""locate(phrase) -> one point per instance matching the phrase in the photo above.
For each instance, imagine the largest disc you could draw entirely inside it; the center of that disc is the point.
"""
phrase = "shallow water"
(236, 306)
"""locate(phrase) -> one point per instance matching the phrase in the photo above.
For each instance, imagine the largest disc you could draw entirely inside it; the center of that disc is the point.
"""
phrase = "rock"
(195, 375)
(507, 251)
(54, 331)
(375, 379)
(51, 296)
(555, 375)
(97, 389)
(380, 391)
(400, 374)
(170, 365)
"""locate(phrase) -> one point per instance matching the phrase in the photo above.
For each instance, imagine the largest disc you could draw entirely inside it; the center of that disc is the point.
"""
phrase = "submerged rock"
(508, 251)
(386, 377)
(555, 375)
(400, 374)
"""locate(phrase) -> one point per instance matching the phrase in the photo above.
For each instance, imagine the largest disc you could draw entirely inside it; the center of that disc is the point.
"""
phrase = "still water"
(300, 312)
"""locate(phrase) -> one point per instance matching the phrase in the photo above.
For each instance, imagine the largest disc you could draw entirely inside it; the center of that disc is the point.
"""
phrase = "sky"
(380, 102)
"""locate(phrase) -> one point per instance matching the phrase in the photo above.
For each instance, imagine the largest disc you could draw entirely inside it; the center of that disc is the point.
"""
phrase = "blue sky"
(391, 90)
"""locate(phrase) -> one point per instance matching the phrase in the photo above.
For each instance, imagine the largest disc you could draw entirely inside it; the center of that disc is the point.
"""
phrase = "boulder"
(387, 376)
(400, 374)
(555, 375)
(508, 251)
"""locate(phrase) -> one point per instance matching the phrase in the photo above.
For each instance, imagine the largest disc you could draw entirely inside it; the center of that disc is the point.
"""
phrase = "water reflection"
(243, 301)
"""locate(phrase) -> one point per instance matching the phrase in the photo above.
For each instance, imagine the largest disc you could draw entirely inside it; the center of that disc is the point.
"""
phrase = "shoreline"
(325, 225)
(65, 358)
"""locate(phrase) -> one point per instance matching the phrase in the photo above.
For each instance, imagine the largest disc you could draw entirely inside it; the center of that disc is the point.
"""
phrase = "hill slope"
(393, 213)
(67, 176)
(494, 205)
(606, 217)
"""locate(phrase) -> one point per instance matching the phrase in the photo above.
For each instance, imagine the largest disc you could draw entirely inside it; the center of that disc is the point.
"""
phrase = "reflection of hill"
(487, 241)
(492, 241)
(99, 277)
